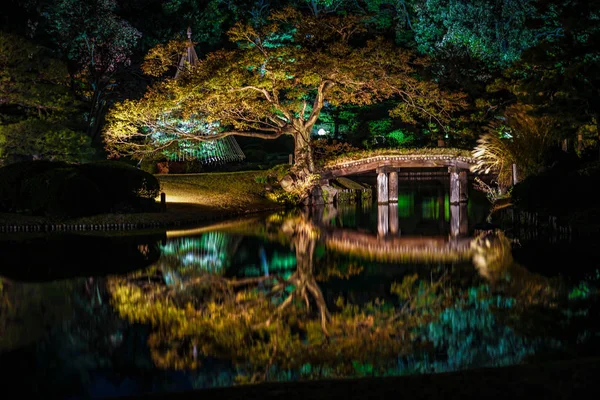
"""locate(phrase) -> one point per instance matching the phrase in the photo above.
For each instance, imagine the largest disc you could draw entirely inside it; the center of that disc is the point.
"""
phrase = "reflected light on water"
(353, 291)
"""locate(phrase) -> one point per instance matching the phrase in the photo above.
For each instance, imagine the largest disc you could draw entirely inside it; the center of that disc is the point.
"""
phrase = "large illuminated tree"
(276, 82)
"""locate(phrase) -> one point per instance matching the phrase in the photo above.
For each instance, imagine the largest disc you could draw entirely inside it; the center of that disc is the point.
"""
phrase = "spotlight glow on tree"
(276, 82)
(174, 149)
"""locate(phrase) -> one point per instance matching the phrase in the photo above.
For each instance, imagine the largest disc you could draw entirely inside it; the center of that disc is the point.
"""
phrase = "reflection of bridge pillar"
(382, 187)
(459, 223)
(458, 185)
(441, 208)
(394, 219)
(393, 186)
(383, 219)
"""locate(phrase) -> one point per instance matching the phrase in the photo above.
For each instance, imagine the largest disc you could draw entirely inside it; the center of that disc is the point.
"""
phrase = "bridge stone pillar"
(394, 228)
(382, 187)
(459, 188)
(454, 186)
(464, 186)
(383, 220)
(393, 186)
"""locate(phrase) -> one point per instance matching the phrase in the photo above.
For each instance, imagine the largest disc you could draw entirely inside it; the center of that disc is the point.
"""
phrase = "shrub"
(14, 176)
(69, 190)
(61, 192)
(559, 192)
(121, 182)
(273, 175)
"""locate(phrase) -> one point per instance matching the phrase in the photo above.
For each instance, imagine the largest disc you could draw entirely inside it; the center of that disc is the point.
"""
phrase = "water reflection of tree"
(278, 326)
(281, 325)
(66, 324)
(184, 257)
(550, 308)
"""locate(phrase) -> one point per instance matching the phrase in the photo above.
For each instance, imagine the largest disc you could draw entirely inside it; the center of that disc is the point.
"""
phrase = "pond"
(332, 292)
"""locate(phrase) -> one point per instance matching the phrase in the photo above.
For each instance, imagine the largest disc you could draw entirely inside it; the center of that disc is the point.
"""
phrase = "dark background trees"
(535, 52)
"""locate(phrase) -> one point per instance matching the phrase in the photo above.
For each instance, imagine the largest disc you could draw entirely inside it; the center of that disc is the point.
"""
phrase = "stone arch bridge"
(387, 167)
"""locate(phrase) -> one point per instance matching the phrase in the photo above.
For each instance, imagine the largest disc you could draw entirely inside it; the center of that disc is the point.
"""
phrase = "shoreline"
(177, 215)
(563, 379)
(190, 199)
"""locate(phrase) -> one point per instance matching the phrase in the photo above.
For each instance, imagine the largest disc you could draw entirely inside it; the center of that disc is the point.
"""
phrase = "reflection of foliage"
(278, 326)
(207, 252)
(283, 264)
(472, 336)
(546, 308)
(492, 257)
(334, 270)
(274, 329)
(24, 313)
(236, 322)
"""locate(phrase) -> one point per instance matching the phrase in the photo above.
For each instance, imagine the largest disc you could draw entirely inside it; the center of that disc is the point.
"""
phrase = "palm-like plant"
(523, 140)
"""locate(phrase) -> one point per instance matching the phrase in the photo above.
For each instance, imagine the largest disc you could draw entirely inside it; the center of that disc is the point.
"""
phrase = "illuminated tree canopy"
(276, 83)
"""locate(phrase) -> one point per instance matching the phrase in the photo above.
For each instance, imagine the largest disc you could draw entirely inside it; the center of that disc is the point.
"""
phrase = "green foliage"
(399, 138)
(99, 43)
(493, 31)
(559, 76)
(45, 141)
(284, 198)
(38, 114)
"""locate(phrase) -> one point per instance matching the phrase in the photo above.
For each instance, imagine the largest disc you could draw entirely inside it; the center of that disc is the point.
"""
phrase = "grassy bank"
(229, 190)
(190, 198)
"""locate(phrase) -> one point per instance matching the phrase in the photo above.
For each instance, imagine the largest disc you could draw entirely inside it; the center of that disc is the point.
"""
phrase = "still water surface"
(352, 291)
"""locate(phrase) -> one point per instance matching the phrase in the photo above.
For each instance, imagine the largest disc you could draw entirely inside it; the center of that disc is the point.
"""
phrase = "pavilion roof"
(190, 58)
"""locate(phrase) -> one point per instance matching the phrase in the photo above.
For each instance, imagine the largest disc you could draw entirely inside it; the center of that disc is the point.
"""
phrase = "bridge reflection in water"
(388, 221)
(422, 226)
(390, 245)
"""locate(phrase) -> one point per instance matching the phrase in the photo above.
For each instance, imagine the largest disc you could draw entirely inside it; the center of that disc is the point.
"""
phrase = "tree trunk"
(303, 152)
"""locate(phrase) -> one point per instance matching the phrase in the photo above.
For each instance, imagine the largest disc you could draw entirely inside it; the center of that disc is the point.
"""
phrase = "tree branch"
(319, 102)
